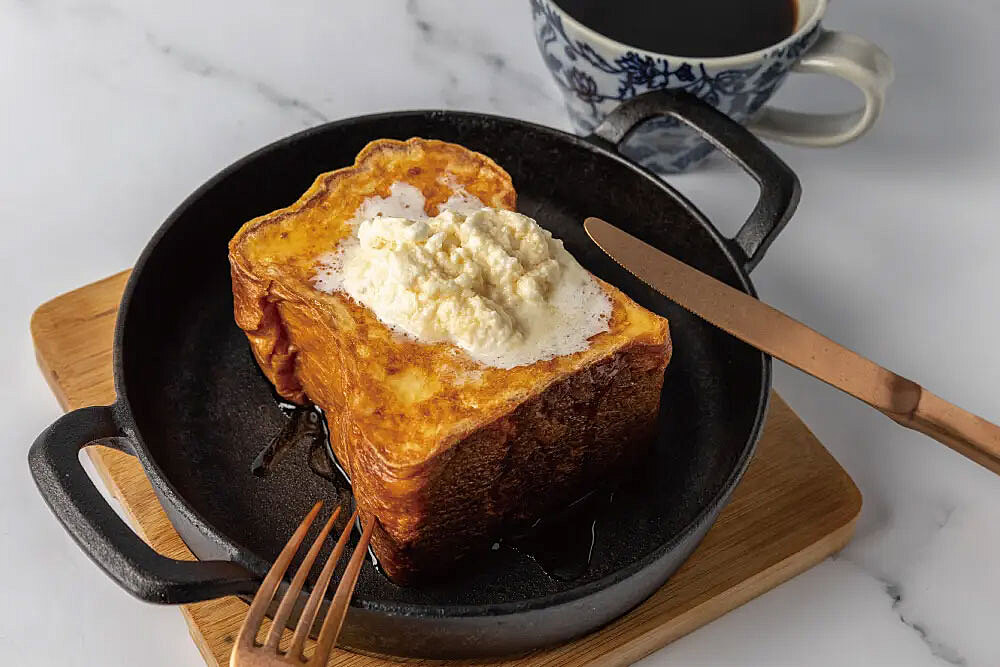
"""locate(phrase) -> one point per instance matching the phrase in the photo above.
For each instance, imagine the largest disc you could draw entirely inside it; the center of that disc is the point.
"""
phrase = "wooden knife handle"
(966, 433)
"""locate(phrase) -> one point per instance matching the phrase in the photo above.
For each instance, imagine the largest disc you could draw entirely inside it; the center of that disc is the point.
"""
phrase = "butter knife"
(787, 339)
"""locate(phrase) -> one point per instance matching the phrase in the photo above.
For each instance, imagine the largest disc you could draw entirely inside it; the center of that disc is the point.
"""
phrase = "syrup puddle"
(305, 424)
(561, 544)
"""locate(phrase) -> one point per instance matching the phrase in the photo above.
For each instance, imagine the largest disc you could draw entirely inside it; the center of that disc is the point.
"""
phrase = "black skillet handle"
(62, 481)
(779, 186)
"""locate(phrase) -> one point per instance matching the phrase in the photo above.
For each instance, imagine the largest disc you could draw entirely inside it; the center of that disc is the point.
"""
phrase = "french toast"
(447, 453)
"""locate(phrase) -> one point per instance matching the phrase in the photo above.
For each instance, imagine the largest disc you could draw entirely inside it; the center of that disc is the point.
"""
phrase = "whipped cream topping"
(490, 281)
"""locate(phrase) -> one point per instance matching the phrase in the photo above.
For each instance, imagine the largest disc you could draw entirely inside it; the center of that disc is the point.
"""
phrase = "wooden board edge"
(43, 319)
(856, 501)
(198, 637)
(44, 311)
(51, 378)
(718, 606)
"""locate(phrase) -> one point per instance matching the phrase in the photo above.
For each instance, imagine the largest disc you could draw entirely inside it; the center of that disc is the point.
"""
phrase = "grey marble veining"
(198, 66)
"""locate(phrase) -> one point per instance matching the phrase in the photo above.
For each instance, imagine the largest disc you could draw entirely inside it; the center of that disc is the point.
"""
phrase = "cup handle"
(851, 58)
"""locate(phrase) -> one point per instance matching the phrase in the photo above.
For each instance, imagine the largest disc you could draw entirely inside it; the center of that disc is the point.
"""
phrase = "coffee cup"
(597, 73)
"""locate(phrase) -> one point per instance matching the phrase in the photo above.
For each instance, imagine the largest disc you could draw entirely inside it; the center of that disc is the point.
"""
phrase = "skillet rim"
(258, 565)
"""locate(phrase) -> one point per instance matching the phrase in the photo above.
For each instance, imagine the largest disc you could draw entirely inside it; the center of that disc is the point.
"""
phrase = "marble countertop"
(115, 111)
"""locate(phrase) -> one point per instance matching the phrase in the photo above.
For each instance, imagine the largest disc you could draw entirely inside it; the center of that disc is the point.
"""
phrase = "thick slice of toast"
(447, 453)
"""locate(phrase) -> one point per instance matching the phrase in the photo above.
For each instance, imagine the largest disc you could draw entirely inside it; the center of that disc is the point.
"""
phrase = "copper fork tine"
(248, 632)
(341, 598)
(292, 594)
(308, 615)
(246, 653)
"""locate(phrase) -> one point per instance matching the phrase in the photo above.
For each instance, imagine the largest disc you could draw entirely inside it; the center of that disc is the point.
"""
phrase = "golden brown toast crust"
(316, 222)
(446, 452)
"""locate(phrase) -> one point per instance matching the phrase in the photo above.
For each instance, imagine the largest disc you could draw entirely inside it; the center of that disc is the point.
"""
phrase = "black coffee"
(695, 28)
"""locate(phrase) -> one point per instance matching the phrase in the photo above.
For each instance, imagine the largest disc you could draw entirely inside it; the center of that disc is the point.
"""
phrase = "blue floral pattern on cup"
(595, 79)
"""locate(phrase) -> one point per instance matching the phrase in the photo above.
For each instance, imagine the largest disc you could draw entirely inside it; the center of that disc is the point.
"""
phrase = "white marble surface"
(114, 111)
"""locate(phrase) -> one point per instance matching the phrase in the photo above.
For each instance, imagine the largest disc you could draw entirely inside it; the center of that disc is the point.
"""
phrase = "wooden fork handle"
(966, 433)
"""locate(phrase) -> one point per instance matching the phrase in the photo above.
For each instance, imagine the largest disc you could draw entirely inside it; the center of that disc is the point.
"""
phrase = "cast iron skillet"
(194, 408)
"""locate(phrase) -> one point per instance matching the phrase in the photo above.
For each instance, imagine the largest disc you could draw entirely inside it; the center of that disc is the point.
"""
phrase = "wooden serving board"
(794, 507)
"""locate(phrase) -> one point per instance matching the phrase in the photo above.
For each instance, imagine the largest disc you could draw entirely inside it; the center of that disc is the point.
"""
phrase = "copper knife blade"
(787, 339)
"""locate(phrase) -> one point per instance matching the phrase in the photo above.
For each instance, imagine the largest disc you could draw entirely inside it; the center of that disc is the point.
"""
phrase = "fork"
(248, 653)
